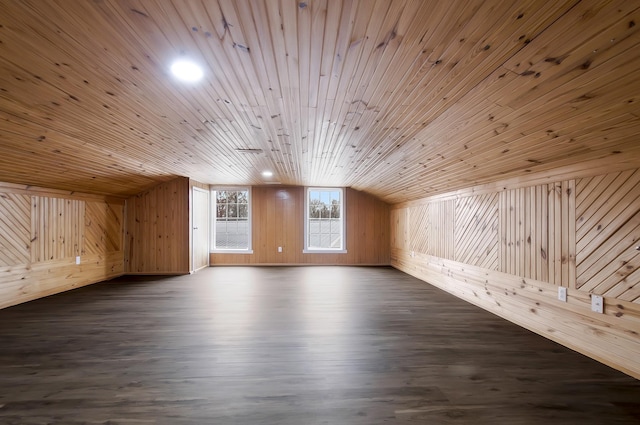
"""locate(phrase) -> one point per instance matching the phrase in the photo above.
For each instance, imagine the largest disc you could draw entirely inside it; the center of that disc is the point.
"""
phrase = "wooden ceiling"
(402, 99)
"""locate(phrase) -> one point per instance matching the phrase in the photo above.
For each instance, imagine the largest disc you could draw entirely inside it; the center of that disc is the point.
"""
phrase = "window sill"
(232, 251)
(324, 251)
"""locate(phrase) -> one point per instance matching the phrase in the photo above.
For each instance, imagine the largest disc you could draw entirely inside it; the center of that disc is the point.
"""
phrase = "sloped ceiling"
(401, 99)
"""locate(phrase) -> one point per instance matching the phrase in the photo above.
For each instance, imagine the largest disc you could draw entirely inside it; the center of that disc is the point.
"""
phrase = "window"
(324, 220)
(231, 220)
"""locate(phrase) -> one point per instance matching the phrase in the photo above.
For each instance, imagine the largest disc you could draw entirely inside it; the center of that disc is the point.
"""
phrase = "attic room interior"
(346, 212)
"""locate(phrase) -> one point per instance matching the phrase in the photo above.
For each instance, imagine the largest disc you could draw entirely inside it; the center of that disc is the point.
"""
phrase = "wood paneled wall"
(477, 220)
(42, 232)
(158, 230)
(608, 232)
(537, 232)
(278, 220)
(511, 247)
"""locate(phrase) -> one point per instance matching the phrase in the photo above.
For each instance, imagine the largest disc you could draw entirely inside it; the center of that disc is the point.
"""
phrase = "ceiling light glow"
(267, 174)
(186, 71)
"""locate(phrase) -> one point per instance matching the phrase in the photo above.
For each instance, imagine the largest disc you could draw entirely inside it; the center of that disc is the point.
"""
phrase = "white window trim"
(343, 200)
(212, 249)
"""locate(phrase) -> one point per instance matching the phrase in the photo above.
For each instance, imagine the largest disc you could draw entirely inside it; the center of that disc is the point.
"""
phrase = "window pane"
(324, 219)
(243, 211)
(314, 208)
(243, 197)
(232, 225)
(221, 197)
(233, 210)
(221, 211)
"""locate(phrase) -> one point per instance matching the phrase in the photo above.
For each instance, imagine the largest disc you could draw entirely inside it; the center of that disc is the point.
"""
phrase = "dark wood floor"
(290, 346)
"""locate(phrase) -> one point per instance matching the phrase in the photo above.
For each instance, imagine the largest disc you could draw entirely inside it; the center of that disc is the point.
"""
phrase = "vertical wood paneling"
(57, 226)
(542, 251)
(42, 232)
(536, 228)
(278, 220)
(442, 219)
(158, 234)
(608, 231)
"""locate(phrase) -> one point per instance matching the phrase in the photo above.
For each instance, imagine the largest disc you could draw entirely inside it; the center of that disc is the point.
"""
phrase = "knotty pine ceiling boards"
(402, 99)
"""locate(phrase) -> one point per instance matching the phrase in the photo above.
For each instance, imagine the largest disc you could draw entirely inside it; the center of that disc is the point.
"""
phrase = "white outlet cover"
(78, 260)
(562, 294)
(597, 303)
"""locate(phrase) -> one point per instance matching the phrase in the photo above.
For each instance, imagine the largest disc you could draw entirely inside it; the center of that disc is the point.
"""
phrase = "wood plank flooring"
(290, 346)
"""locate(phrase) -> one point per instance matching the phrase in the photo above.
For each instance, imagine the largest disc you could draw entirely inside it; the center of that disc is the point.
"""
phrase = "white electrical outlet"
(412, 254)
(78, 259)
(279, 249)
(562, 294)
(597, 303)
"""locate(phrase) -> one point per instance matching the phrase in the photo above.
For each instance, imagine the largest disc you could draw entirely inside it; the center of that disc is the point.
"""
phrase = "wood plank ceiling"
(402, 99)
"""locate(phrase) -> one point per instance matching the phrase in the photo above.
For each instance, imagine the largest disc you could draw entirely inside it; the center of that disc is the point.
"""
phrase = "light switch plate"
(597, 303)
(78, 260)
(562, 293)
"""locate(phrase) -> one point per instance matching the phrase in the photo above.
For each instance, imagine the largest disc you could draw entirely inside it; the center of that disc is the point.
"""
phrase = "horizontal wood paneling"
(158, 229)
(611, 338)
(43, 231)
(29, 282)
(278, 220)
(577, 233)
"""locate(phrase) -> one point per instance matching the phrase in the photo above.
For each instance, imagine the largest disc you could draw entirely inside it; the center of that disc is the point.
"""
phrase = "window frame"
(214, 198)
(343, 220)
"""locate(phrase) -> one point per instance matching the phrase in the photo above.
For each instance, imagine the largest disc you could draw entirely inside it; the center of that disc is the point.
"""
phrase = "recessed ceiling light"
(186, 70)
(267, 174)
